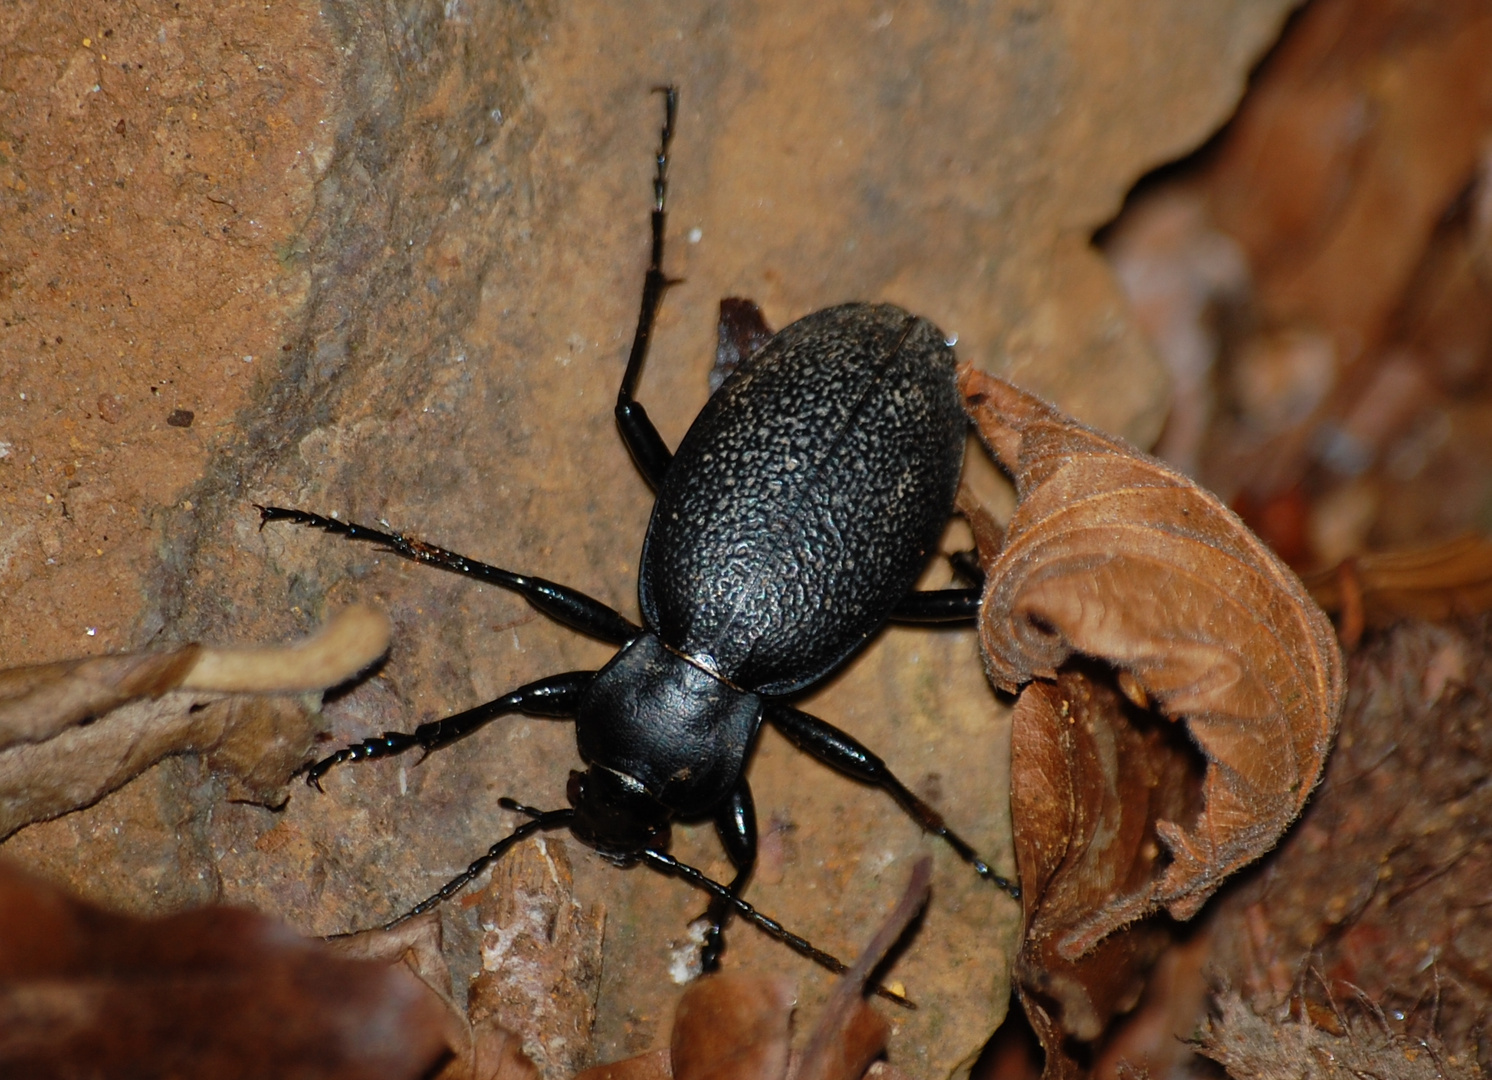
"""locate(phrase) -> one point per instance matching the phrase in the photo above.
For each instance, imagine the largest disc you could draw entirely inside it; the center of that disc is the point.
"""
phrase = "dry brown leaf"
(1089, 782)
(495, 1054)
(38, 701)
(1112, 555)
(415, 943)
(148, 706)
(1433, 582)
(733, 1027)
(739, 1026)
(218, 992)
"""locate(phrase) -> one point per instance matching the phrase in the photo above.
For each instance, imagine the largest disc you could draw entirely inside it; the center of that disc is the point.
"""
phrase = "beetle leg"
(735, 824)
(557, 696)
(938, 606)
(560, 602)
(839, 751)
(638, 432)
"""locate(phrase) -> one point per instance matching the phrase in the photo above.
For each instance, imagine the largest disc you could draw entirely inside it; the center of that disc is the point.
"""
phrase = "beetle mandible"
(790, 525)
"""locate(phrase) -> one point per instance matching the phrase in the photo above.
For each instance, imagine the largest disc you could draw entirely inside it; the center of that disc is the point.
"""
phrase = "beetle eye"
(575, 788)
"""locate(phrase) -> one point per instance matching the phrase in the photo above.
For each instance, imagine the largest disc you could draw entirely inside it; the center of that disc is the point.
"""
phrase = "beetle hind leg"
(642, 438)
(938, 606)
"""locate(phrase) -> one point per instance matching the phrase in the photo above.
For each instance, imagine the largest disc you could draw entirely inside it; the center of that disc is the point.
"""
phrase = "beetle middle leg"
(851, 757)
(557, 696)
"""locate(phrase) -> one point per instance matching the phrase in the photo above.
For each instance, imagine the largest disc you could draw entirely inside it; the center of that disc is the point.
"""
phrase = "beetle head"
(615, 815)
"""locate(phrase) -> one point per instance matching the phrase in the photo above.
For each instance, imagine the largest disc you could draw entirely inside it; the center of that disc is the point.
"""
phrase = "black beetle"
(790, 525)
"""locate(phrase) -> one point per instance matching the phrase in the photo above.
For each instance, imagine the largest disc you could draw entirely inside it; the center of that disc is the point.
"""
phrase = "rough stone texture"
(426, 224)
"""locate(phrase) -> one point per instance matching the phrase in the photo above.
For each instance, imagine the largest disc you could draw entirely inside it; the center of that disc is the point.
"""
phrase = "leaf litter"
(1113, 555)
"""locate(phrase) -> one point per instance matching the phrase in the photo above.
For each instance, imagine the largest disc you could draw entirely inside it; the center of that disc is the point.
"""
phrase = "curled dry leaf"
(354, 638)
(1112, 555)
(215, 992)
(145, 707)
(1089, 779)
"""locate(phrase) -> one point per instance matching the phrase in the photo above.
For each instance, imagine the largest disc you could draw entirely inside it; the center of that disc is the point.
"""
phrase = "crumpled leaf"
(733, 1027)
(1434, 582)
(144, 707)
(1112, 555)
(739, 1026)
(1089, 781)
(218, 992)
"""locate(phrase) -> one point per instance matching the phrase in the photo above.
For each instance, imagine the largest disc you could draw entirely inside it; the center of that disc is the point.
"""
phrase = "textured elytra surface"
(805, 499)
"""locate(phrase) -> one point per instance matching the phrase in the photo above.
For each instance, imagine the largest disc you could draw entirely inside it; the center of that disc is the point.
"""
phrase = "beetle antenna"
(667, 864)
(542, 820)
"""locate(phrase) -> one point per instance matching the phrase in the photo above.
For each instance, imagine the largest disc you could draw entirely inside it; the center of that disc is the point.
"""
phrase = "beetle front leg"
(556, 697)
(735, 824)
(839, 751)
